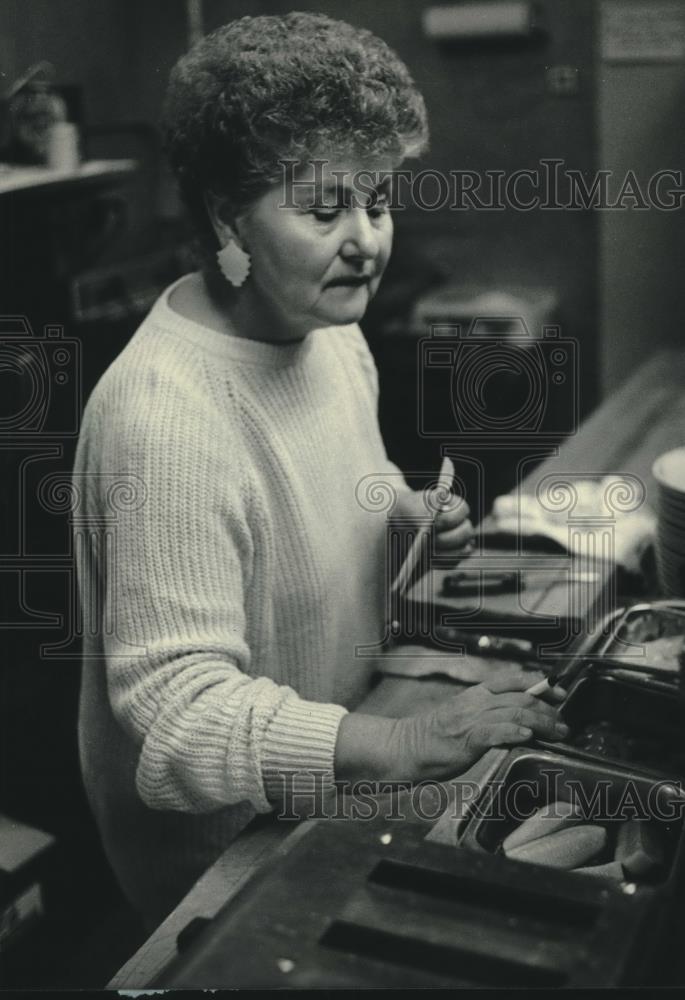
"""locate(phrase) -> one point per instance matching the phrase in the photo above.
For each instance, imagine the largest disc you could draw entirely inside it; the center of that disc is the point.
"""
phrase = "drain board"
(354, 904)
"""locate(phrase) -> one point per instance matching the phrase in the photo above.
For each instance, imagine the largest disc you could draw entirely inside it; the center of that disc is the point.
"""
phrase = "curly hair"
(264, 89)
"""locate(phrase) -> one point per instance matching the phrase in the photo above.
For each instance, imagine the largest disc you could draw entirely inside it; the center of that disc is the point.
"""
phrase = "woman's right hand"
(446, 741)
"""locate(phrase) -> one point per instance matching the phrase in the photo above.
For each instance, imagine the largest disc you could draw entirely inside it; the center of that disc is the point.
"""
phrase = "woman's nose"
(361, 239)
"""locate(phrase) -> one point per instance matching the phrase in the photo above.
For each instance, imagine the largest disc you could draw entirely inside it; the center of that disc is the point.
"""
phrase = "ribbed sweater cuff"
(299, 749)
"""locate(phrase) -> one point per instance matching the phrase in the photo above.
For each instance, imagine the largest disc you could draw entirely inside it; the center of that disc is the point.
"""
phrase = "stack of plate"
(669, 472)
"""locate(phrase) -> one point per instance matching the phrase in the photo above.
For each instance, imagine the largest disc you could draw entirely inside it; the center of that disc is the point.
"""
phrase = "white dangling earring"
(234, 263)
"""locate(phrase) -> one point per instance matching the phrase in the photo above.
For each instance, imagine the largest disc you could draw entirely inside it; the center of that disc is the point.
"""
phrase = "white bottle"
(63, 147)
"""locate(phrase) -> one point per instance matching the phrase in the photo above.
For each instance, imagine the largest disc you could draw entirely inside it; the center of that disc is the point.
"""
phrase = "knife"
(405, 576)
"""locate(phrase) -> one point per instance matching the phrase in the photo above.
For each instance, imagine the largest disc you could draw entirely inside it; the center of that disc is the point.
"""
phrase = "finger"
(455, 555)
(529, 678)
(519, 699)
(512, 680)
(496, 734)
(508, 734)
(553, 694)
(454, 538)
(454, 512)
(541, 723)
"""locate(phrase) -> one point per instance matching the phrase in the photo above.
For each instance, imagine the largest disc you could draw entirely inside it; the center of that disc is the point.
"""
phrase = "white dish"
(669, 470)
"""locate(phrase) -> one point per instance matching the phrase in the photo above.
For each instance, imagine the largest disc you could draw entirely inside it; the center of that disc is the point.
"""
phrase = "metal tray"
(528, 779)
(624, 722)
(627, 717)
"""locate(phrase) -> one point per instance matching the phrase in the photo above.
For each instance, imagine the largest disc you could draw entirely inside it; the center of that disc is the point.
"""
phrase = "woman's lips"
(349, 282)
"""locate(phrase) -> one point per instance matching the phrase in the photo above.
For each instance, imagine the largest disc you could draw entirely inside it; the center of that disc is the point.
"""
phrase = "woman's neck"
(246, 314)
(207, 299)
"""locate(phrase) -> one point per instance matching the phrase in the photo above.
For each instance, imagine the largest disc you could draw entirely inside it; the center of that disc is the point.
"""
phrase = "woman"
(242, 415)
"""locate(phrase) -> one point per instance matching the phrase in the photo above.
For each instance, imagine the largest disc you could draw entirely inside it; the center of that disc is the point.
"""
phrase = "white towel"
(597, 507)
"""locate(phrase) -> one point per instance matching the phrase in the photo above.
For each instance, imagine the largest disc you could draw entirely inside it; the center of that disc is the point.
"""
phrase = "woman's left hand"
(453, 528)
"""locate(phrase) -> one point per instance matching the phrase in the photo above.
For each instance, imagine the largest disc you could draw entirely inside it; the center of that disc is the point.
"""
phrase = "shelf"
(34, 180)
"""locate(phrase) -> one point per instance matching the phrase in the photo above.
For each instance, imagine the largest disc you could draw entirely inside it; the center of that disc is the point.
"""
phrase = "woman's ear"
(233, 260)
(221, 217)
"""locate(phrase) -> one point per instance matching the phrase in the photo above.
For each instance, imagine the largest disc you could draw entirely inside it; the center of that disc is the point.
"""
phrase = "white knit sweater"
(240, 574)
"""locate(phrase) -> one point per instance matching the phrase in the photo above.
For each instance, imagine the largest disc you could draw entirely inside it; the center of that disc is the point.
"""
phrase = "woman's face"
(319, 244)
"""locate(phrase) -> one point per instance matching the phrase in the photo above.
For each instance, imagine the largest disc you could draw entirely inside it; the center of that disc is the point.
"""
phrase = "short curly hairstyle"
(264, 89)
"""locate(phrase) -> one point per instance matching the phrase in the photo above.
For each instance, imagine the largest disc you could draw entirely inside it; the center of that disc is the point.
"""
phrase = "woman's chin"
(349, 312)
(343, 305)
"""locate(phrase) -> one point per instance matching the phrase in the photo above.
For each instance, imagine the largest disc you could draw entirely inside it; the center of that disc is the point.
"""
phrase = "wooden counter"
(626, 434)
(393, 697)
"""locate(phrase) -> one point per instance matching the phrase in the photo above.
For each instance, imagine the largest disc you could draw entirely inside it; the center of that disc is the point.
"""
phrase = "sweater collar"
(256, 352)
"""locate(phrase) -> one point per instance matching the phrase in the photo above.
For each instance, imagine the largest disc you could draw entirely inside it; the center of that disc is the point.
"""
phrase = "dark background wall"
(640, 115)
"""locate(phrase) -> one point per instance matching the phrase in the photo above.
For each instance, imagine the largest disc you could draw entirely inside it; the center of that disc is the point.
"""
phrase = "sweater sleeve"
(177, 659)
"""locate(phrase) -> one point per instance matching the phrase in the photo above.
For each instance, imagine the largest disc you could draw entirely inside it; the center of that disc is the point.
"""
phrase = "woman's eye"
(328, 213)
(325, 214)
(380, 206)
